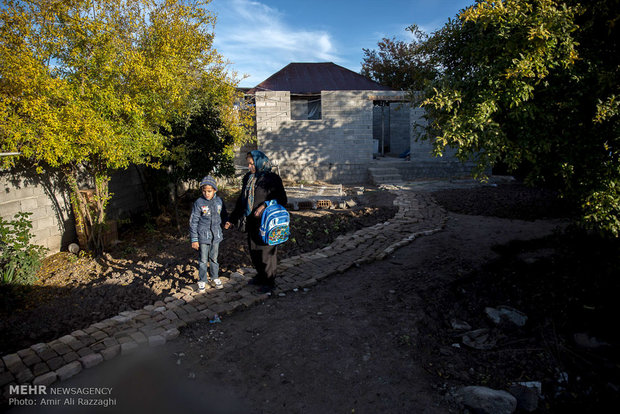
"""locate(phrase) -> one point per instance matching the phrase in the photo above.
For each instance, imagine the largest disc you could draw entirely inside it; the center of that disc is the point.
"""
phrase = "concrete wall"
(47, 197)
(338, 147)
(400, 127)
(52, 220)
(437, 168)
(419, 150)
(128, 195)
(422, 150)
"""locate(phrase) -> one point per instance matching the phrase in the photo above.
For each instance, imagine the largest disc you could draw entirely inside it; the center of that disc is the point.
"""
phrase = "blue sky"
(259, 37)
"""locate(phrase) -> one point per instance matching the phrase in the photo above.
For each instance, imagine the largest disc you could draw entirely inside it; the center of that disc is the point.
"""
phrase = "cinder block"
(9, 209)
(28, 204)
(53, 243)
(43, 200)
(39, 213)
(43, 223)
(25, 191)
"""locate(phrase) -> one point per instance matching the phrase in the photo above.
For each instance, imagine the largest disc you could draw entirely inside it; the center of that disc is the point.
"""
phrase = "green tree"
(203, 141)
(534, 83)
(399, 64)
(88, 85)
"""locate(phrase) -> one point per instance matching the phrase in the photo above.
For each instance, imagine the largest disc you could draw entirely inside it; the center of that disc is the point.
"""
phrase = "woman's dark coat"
(268, 187)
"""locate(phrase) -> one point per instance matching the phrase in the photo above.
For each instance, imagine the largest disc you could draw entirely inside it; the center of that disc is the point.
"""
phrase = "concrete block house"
(323, 122)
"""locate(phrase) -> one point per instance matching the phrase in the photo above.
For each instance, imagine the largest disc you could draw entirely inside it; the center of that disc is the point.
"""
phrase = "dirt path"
(350, 344)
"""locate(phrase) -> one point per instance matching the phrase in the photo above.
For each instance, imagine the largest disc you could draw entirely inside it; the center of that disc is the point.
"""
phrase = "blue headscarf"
(262, 164)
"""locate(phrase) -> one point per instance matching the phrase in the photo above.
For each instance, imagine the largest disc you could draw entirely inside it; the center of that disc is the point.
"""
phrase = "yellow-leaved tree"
(88, 86)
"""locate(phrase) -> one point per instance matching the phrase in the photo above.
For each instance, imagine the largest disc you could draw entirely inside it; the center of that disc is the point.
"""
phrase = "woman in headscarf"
(260, 184)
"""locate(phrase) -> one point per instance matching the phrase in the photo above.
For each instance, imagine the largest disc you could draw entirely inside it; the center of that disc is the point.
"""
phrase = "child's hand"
(227, 225)
(259, 210)
(195, 245)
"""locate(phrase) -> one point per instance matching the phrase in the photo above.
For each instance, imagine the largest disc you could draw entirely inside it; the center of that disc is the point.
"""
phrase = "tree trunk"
(89, 210)
(176, 206)
(102, 197)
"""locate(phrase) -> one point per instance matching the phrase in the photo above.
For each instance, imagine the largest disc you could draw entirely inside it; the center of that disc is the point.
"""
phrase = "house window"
(305, 107)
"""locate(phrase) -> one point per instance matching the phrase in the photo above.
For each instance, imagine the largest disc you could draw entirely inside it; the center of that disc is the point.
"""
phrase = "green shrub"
(19, 260)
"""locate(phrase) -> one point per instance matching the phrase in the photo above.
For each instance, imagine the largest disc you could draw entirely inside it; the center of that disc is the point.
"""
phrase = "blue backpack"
(274, 224)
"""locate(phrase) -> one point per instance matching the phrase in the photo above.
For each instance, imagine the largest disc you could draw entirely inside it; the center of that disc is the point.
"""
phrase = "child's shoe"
(217, 283)
(201, 286)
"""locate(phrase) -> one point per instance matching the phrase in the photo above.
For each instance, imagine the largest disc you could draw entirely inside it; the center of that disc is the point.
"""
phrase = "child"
(208, 213)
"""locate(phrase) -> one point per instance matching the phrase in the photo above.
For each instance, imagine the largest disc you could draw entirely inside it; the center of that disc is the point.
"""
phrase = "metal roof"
(308, 78)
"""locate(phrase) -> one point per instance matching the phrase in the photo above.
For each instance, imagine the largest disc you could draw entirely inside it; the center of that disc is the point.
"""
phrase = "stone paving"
(155, 324)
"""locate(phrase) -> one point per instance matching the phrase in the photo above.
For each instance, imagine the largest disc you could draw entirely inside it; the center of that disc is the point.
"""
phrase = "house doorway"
(391, 129)
(381, 127)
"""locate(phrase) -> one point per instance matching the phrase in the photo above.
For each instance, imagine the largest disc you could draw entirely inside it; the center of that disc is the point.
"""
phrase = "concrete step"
(384, 172)
(387, 177)
(384, 175)
(383, 169)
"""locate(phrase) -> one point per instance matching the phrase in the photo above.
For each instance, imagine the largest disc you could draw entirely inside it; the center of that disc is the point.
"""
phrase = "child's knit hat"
(208, 180)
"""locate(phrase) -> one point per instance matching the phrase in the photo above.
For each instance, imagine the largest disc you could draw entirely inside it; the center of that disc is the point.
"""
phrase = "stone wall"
(47, 198)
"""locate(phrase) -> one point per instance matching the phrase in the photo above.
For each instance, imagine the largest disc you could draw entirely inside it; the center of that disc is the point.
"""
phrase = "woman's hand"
(259, 210)
(227, 225)
(195, 245)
